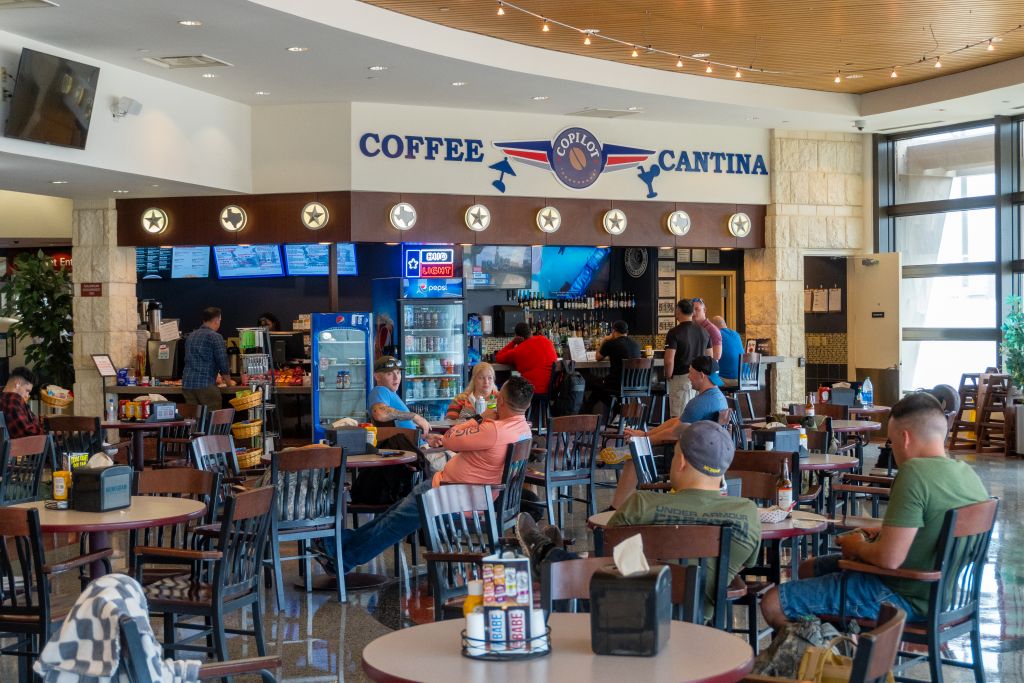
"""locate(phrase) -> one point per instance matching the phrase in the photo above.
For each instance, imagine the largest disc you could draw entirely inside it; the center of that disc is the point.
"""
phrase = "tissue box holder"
(630, 615)
(352, 439)
(101, 489)
(786, 440)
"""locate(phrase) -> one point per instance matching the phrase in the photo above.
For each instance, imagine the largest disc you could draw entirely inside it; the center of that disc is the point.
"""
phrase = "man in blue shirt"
(732, 349)
(704, 406)
(383, 400)
(206, 361)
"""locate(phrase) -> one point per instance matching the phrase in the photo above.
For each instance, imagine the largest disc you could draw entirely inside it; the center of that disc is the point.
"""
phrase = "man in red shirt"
(14, 404)
(532, 356)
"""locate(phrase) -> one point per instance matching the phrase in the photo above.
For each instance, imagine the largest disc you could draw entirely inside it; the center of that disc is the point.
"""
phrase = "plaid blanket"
(87, 648)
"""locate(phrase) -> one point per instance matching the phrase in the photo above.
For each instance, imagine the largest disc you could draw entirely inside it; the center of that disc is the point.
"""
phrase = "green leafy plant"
(1013, 342)
(39, 296)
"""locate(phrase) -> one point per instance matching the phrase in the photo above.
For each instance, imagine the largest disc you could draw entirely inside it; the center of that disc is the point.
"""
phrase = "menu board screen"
(311, 259)
(252, 260)
(188, 262)
(153, 263)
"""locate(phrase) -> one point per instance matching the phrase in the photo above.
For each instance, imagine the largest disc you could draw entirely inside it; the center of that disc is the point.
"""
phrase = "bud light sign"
(429, 262)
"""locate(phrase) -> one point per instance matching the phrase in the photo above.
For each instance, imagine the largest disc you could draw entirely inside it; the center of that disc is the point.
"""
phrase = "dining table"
(144, 512)
(433, 652)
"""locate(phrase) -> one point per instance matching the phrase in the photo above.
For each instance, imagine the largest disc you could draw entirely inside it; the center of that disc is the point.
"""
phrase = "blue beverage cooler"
(342, 368)
(433, 350)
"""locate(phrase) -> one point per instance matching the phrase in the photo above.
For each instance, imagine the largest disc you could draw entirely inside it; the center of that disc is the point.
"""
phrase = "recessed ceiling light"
(191, 23)
(262, 92)
(142, 50)
(209, 75)
(298, 48)
(120, 191)
(540, 98)
(155, 185)
(378, 67)
(701, 55)
(458, 84)
(634, 108)
(854, 76)
(58, 182)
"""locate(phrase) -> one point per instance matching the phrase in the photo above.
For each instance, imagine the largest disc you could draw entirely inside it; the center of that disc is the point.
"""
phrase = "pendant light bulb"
(586, 41)
(990, 46)
(501, 10)
(545, 27)
(893, 74)
(707, 70)
(739, 74)
(679, 63)
(837, 79)
(938, 62)
(635, 53)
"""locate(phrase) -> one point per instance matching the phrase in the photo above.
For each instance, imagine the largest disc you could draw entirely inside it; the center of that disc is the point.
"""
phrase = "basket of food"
(56, 396)
(247, 401)
(246, 429)
(249, 458)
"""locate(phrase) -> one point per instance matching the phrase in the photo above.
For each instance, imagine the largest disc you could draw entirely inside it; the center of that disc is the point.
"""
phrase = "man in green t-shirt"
(702, 455)
(928, 485)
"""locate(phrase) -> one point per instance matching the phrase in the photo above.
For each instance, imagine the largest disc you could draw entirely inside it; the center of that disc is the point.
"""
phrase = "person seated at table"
(701, 456)
(531, 355)
(481, 385)
(704, 406)
(929, 484)
(615, 348)
(480, 449)
(14, 404)
(732, 349)
(385, 405)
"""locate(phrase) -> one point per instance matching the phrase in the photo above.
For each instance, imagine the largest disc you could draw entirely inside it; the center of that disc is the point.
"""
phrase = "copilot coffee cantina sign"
(576, 157)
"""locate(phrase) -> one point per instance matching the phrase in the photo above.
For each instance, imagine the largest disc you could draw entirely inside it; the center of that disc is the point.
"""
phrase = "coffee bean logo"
(577, 158)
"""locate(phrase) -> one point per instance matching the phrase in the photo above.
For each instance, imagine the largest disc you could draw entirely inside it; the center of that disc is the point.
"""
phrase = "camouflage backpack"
(782, 657)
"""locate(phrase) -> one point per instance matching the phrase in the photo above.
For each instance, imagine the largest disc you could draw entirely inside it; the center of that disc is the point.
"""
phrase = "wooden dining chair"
(569, 461)
(21, 467)
(513, 475)
(73, 434)
(218, 422)
(460, 528)
(175, 443)
(310, 485)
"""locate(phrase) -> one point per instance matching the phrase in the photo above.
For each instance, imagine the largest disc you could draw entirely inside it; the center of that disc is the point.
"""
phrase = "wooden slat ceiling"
(794, 43)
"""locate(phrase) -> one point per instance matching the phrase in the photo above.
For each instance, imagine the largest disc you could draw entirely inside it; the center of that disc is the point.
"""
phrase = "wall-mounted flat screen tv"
(153, 263)
(250, 260)
(52, 100)
(311, 259)
(190, 262)
(494, 267)
(570, 271)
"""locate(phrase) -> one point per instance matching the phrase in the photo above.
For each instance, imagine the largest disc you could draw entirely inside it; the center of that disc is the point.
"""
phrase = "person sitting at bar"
(386, 406)
(700, 316)
(480, 449)
(704, 407)
(206, 363)
(732, 349)
(614, 348)
(531, 355)
(14, 404)
(700, 458)
(928, 486)
(683, 343)
(481, 386)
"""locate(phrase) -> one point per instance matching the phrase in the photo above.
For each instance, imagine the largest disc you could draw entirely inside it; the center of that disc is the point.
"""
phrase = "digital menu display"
(311, 259)
(252, 260)
(153, 263)
(187, 262)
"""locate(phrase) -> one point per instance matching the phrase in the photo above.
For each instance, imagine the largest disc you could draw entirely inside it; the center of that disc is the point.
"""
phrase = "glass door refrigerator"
(342, 360)
(433, 350)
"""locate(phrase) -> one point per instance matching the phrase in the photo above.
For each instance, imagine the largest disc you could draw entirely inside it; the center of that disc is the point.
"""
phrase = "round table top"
(828, 462)
(854, 426)
(797, 524)
(145, 511)
(869, 410)
(142, 424)
(432, 652)
(357, 462)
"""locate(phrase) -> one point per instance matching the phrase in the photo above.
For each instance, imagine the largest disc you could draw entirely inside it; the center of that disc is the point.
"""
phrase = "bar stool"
(992, 402)
(968, 392)
(634, 386)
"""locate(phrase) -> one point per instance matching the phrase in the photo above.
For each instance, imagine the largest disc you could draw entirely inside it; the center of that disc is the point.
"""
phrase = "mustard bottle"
(61, 486)
(475, 598)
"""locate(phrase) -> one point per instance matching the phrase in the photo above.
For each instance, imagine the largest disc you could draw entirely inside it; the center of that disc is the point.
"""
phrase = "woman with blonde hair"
(481, 385)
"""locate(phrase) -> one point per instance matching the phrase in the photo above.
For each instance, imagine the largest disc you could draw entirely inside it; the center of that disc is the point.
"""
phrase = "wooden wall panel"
(646, 224)
(513, 221)
(581, 222)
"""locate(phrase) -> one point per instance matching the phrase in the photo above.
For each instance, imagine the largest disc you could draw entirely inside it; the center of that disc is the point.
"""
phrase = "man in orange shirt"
(531, 355)
(480, 445)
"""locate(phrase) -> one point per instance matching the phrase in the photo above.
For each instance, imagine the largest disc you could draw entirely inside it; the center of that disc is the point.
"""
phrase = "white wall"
(181, 134)
(33, 215)
(301, 148)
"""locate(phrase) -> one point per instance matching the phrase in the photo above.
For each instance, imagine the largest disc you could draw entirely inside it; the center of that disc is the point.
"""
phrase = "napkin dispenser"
(352, 439)
(786, 440)
(101, 489)
(630, 615)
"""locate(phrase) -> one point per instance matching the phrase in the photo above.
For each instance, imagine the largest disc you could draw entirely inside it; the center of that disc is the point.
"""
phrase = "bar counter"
(175, 390)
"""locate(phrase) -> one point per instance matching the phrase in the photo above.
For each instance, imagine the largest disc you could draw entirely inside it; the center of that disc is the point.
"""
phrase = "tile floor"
(321, 640)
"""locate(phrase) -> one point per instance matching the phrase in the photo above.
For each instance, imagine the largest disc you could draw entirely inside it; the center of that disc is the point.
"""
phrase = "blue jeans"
(361, 545)
(865, 593)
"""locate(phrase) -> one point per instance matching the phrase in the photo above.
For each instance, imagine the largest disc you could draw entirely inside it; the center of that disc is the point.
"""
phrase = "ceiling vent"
(26, 4)
(908, 126)
(603, 113)
(186, 62)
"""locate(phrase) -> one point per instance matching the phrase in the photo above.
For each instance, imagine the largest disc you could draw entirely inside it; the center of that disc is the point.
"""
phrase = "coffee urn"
(155, 316)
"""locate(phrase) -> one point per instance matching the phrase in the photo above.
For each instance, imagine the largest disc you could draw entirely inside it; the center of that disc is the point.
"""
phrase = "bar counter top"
(175, 389)
(598, 364)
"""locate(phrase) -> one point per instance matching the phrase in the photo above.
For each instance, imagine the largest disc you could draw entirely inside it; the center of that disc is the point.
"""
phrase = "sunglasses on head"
(696, 300)
(390, 365)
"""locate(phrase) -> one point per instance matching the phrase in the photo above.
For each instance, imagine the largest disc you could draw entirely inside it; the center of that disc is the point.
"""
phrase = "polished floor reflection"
(321, 640)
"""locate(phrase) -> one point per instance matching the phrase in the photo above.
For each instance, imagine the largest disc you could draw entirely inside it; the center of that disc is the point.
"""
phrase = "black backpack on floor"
(568, 389)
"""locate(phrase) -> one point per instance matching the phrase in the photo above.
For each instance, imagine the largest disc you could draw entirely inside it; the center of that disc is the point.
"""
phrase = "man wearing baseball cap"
(383, 400)
(702, 455)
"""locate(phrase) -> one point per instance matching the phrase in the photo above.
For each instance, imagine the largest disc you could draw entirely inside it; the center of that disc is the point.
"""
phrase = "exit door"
(717, 288)
(873, 322)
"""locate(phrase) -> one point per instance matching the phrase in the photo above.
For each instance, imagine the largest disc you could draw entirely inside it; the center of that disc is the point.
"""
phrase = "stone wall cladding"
(816, 203)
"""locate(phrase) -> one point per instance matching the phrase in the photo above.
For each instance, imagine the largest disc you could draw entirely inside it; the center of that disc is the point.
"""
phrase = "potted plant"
(39, 296)
(1013, 344)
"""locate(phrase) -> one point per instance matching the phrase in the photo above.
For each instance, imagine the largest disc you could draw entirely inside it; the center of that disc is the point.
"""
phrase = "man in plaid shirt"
(14, 404)
(205, 359)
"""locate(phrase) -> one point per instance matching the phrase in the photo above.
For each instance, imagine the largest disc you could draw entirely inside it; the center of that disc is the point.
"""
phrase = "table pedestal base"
(353, 581)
